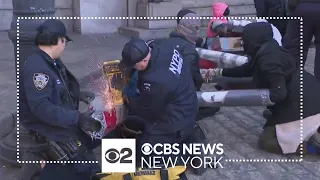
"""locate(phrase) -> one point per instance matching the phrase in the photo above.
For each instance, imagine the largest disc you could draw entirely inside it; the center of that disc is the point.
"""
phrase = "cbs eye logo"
(113, 156)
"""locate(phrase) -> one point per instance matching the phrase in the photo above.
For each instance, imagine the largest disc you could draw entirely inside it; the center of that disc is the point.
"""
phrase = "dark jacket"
(273, 8)
(49, 98)
(307, 10)
(292, 4)
(167, 100)
(272, 67)
(189, 54)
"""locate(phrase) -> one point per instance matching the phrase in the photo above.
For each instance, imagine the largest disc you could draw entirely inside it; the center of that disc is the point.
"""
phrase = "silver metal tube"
(205, 99)
(222, 58)
(240, 22)
(258, 97)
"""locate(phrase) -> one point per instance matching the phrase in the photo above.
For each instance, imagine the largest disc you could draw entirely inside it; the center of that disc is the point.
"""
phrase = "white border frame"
(168, 18)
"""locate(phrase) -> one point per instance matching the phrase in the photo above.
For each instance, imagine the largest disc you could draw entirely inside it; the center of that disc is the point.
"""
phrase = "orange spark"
(107, 95)
(105, 92)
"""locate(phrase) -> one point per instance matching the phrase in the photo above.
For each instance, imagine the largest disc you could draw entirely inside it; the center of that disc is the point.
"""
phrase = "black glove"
(125, 100)
(87, 123)
(86, 96)
(201, 43)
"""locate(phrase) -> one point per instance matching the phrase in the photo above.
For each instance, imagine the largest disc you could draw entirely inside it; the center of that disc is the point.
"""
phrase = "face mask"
(226, 12)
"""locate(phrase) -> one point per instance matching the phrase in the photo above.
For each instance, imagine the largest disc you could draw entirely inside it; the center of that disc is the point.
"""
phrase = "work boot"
(313, 145)
(267, 114)
(199, 137)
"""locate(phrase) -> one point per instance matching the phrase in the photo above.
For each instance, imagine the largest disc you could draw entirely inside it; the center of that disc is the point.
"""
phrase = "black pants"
(310, 13)
(79, 171)
(268, 141)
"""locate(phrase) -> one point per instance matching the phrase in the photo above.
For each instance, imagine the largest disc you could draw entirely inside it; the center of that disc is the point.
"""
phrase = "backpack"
(171, 173)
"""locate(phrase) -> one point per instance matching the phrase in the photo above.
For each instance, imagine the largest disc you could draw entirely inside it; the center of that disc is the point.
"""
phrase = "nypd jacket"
(167, 100)
(49, 98)
(190, 55)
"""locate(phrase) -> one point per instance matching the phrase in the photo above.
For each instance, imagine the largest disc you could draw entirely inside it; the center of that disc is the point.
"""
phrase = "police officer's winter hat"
(54, 26)
(133, 52)
(182, 13)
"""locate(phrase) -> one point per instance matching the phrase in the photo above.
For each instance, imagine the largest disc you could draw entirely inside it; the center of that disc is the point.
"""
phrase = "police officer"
(167, 100)
(186, 36)
(49, 102)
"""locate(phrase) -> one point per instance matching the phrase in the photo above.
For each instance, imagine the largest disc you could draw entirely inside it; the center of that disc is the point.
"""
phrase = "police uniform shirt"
(48, 102)
(167, 98)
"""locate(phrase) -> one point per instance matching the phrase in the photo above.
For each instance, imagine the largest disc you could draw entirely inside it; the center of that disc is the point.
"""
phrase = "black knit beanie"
(182, 13)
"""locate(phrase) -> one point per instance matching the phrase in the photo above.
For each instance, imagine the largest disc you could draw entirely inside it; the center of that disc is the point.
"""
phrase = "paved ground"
(237, 127)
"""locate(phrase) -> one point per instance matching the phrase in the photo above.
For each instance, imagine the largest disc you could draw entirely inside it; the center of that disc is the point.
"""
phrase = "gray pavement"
(236, 127)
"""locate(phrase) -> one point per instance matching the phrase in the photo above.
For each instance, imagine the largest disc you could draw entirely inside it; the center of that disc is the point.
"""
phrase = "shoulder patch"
(40, 80)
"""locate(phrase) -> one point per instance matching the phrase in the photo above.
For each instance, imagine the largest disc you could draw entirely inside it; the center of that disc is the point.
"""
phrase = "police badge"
(40, 80)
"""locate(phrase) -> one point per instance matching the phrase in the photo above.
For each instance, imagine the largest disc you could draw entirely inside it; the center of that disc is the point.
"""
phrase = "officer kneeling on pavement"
(167, 100)
(185, 35)
(49, 102)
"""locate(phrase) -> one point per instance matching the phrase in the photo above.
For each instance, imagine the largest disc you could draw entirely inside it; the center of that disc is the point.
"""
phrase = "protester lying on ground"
(272, 67)
(238, 26)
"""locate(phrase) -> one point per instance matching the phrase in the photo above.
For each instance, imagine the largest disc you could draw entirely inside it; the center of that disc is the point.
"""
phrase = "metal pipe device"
(111, 118)
(222, 58)
(252, 97)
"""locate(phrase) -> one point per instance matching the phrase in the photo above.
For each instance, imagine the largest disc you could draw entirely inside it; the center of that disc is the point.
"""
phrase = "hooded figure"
(273, 68)
(220, 10)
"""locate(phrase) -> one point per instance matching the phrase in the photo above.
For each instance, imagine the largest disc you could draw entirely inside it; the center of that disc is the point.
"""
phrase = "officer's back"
(167, 76)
